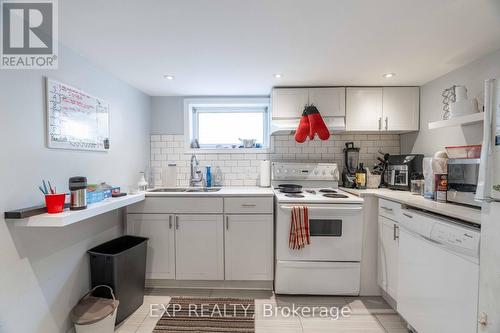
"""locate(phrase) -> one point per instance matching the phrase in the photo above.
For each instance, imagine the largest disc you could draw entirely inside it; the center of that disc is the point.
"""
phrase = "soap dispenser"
(208, 177)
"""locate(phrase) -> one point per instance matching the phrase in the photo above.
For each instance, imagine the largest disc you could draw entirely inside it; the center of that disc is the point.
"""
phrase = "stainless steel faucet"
(196, 176)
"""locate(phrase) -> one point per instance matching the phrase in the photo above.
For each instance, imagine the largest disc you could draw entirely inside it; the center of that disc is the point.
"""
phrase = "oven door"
(336, 233)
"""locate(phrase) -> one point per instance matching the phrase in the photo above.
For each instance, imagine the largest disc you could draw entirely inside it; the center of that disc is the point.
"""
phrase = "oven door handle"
(337, 207)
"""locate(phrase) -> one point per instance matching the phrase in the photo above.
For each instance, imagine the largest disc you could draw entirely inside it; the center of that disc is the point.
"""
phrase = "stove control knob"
(278, 170)
(285, 171)
(324, 173)
(316, 172)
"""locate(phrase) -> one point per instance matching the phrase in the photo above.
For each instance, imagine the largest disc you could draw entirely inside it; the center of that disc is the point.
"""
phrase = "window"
(220, 125)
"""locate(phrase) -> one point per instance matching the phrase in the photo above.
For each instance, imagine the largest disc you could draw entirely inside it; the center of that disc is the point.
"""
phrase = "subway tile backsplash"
(242, 169)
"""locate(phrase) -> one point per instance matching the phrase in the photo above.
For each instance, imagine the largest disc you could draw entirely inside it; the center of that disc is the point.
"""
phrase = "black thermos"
(78, 188)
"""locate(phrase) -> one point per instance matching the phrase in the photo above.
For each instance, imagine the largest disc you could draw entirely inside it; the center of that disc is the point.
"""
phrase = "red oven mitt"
(303, 129)
(316, 123)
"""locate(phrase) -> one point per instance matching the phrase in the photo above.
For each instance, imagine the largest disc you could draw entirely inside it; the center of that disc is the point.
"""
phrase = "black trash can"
(121, 264)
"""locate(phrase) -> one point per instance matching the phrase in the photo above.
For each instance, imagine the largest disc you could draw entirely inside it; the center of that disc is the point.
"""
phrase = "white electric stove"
(330, 265)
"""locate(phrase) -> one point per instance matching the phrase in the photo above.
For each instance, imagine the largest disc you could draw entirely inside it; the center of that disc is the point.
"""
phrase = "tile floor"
(367, 314)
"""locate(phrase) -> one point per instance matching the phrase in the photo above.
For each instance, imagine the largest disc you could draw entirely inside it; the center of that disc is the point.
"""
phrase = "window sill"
(228, 151)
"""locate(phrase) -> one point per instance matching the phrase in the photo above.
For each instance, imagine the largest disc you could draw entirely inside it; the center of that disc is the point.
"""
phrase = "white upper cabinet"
(364, 109)
(394, 109)
(329, 101)
(289, 102)
(401, 108)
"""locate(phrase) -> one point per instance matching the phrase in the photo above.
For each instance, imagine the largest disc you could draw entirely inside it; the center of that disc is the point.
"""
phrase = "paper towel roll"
(265, 174)
(432, 166)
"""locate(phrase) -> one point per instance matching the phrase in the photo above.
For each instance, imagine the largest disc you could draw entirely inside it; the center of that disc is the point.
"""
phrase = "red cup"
(55, 203)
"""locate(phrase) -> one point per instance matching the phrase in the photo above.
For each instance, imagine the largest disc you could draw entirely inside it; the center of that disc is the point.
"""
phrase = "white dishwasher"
(438, 274)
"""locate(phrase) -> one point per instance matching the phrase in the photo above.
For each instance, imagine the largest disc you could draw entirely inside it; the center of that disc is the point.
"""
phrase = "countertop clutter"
(464, 213)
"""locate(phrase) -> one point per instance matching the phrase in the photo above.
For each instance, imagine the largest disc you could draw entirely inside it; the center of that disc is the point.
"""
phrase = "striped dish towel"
(299, 228)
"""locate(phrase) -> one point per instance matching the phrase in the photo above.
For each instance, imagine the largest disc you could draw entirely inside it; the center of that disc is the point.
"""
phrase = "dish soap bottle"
(361, 177)
(142, 185)
(209, 176)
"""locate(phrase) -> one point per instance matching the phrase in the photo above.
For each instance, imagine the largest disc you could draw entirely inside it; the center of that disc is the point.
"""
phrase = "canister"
(78, 189)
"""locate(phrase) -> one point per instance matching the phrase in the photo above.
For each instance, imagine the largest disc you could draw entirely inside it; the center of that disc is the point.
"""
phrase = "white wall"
(431, 108)
(167, 115)
(44, 271)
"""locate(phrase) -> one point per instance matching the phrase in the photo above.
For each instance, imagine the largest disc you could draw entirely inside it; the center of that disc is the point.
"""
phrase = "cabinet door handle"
(386, 123)
(170, 221)
(386, 208)
(379, 123)
(408, 215)
(176, 222)
(248, 205)
(227, 222)
(395, 232)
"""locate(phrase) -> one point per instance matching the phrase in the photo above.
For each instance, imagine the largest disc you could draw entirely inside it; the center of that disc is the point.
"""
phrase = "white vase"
(462, 106)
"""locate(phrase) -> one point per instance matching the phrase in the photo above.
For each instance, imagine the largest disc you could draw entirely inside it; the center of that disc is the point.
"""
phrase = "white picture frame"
(75, 120)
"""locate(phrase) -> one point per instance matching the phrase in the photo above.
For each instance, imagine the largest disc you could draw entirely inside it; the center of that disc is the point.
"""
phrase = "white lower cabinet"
(160, 261)
(388, 256)
(249, 247)
(204, 246)
(199, 244)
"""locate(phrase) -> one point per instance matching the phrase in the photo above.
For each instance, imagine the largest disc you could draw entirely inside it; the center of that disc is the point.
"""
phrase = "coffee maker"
(403, 169)
(351, 160)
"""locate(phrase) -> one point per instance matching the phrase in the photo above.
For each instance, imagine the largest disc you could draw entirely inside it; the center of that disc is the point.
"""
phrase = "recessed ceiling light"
(389, 75)
(278, 76)
(169, 77)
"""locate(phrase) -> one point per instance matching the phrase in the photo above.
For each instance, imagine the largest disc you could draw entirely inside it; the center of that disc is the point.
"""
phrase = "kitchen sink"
(203, 189)
(169, 189)
(185, 189)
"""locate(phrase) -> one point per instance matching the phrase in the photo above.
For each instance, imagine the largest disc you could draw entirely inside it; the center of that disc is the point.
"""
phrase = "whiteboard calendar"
(76, 120)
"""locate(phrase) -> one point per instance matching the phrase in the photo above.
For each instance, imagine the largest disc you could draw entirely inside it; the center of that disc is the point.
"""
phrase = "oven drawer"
(317, 278)
(389, 209)
(336, 233)
(248, 205)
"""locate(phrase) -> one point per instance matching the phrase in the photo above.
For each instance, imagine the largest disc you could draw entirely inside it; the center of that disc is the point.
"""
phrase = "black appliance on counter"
(403, 169)
(351, 160)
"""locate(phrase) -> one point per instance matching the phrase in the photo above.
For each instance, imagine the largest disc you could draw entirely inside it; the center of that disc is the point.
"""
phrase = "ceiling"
(233, 47)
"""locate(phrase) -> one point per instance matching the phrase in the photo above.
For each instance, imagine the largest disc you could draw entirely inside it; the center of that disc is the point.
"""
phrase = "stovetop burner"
(335, 195)
(294, 195)
(327, 190)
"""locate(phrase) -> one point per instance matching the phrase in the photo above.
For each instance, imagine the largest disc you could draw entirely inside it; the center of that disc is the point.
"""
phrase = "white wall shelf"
(470, 119)
(73, 216)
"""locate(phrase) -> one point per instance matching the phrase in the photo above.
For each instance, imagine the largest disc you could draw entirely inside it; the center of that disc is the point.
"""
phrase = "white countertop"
(226, 191)
(68, 217)
(464, 213)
